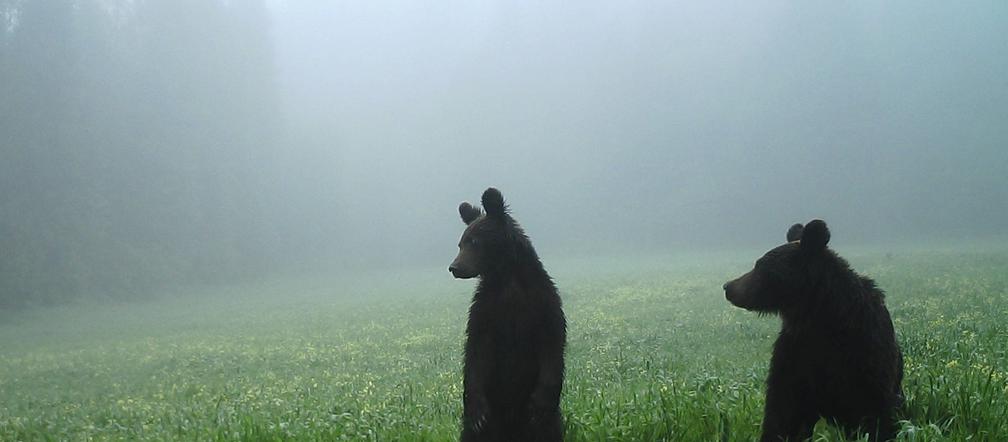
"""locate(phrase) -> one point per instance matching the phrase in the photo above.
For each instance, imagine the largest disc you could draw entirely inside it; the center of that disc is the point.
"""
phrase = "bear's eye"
(472, 241)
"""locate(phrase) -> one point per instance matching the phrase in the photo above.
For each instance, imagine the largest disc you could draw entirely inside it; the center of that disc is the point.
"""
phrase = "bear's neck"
(841, 298)
(525, 270)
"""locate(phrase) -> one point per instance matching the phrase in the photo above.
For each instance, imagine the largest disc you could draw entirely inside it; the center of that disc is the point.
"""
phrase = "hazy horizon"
(165, 143)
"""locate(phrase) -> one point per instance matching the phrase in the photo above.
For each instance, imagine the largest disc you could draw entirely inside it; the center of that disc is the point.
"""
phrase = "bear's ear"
(815, 236)
(794, 233)
(493, 203)
(469, 213)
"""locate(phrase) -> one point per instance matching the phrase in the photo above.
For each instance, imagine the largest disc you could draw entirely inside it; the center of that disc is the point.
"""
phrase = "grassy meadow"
(654, 353)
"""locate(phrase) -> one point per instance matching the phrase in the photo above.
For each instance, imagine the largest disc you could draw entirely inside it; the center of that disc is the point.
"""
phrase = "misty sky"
(167, 142)
(657, 123)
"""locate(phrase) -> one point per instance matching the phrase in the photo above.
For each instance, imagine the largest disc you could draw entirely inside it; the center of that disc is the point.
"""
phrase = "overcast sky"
(655, 123)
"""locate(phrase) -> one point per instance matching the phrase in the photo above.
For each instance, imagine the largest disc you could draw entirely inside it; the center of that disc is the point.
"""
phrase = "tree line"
(142, 145)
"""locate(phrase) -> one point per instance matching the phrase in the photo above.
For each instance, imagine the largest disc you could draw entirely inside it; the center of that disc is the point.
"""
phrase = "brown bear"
(836, 356)
(516, 334)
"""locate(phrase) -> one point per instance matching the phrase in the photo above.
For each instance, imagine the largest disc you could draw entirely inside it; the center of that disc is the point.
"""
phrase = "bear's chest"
(509, 325)
(822, 364)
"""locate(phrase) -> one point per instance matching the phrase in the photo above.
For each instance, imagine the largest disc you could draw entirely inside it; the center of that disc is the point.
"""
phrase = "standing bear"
(836, 356)
(514, 351)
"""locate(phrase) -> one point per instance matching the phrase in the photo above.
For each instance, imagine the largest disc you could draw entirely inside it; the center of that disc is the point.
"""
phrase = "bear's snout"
(460, 272)
(728, 292)
(734, 291)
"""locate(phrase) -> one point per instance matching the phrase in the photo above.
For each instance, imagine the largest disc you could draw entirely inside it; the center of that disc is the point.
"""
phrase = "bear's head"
(783, 275)
(490, 239)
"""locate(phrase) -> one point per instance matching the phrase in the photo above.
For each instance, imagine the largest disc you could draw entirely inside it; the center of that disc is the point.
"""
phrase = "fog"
(152, 144)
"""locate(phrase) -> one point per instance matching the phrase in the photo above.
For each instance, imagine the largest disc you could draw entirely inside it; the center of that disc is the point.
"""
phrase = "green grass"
(655, 353)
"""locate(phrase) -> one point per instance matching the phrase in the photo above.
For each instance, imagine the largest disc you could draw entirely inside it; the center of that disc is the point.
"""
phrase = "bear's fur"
(516, 334)
(836, 356)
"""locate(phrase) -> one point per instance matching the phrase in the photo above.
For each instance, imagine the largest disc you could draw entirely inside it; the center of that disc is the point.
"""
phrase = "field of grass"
(655, 353)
